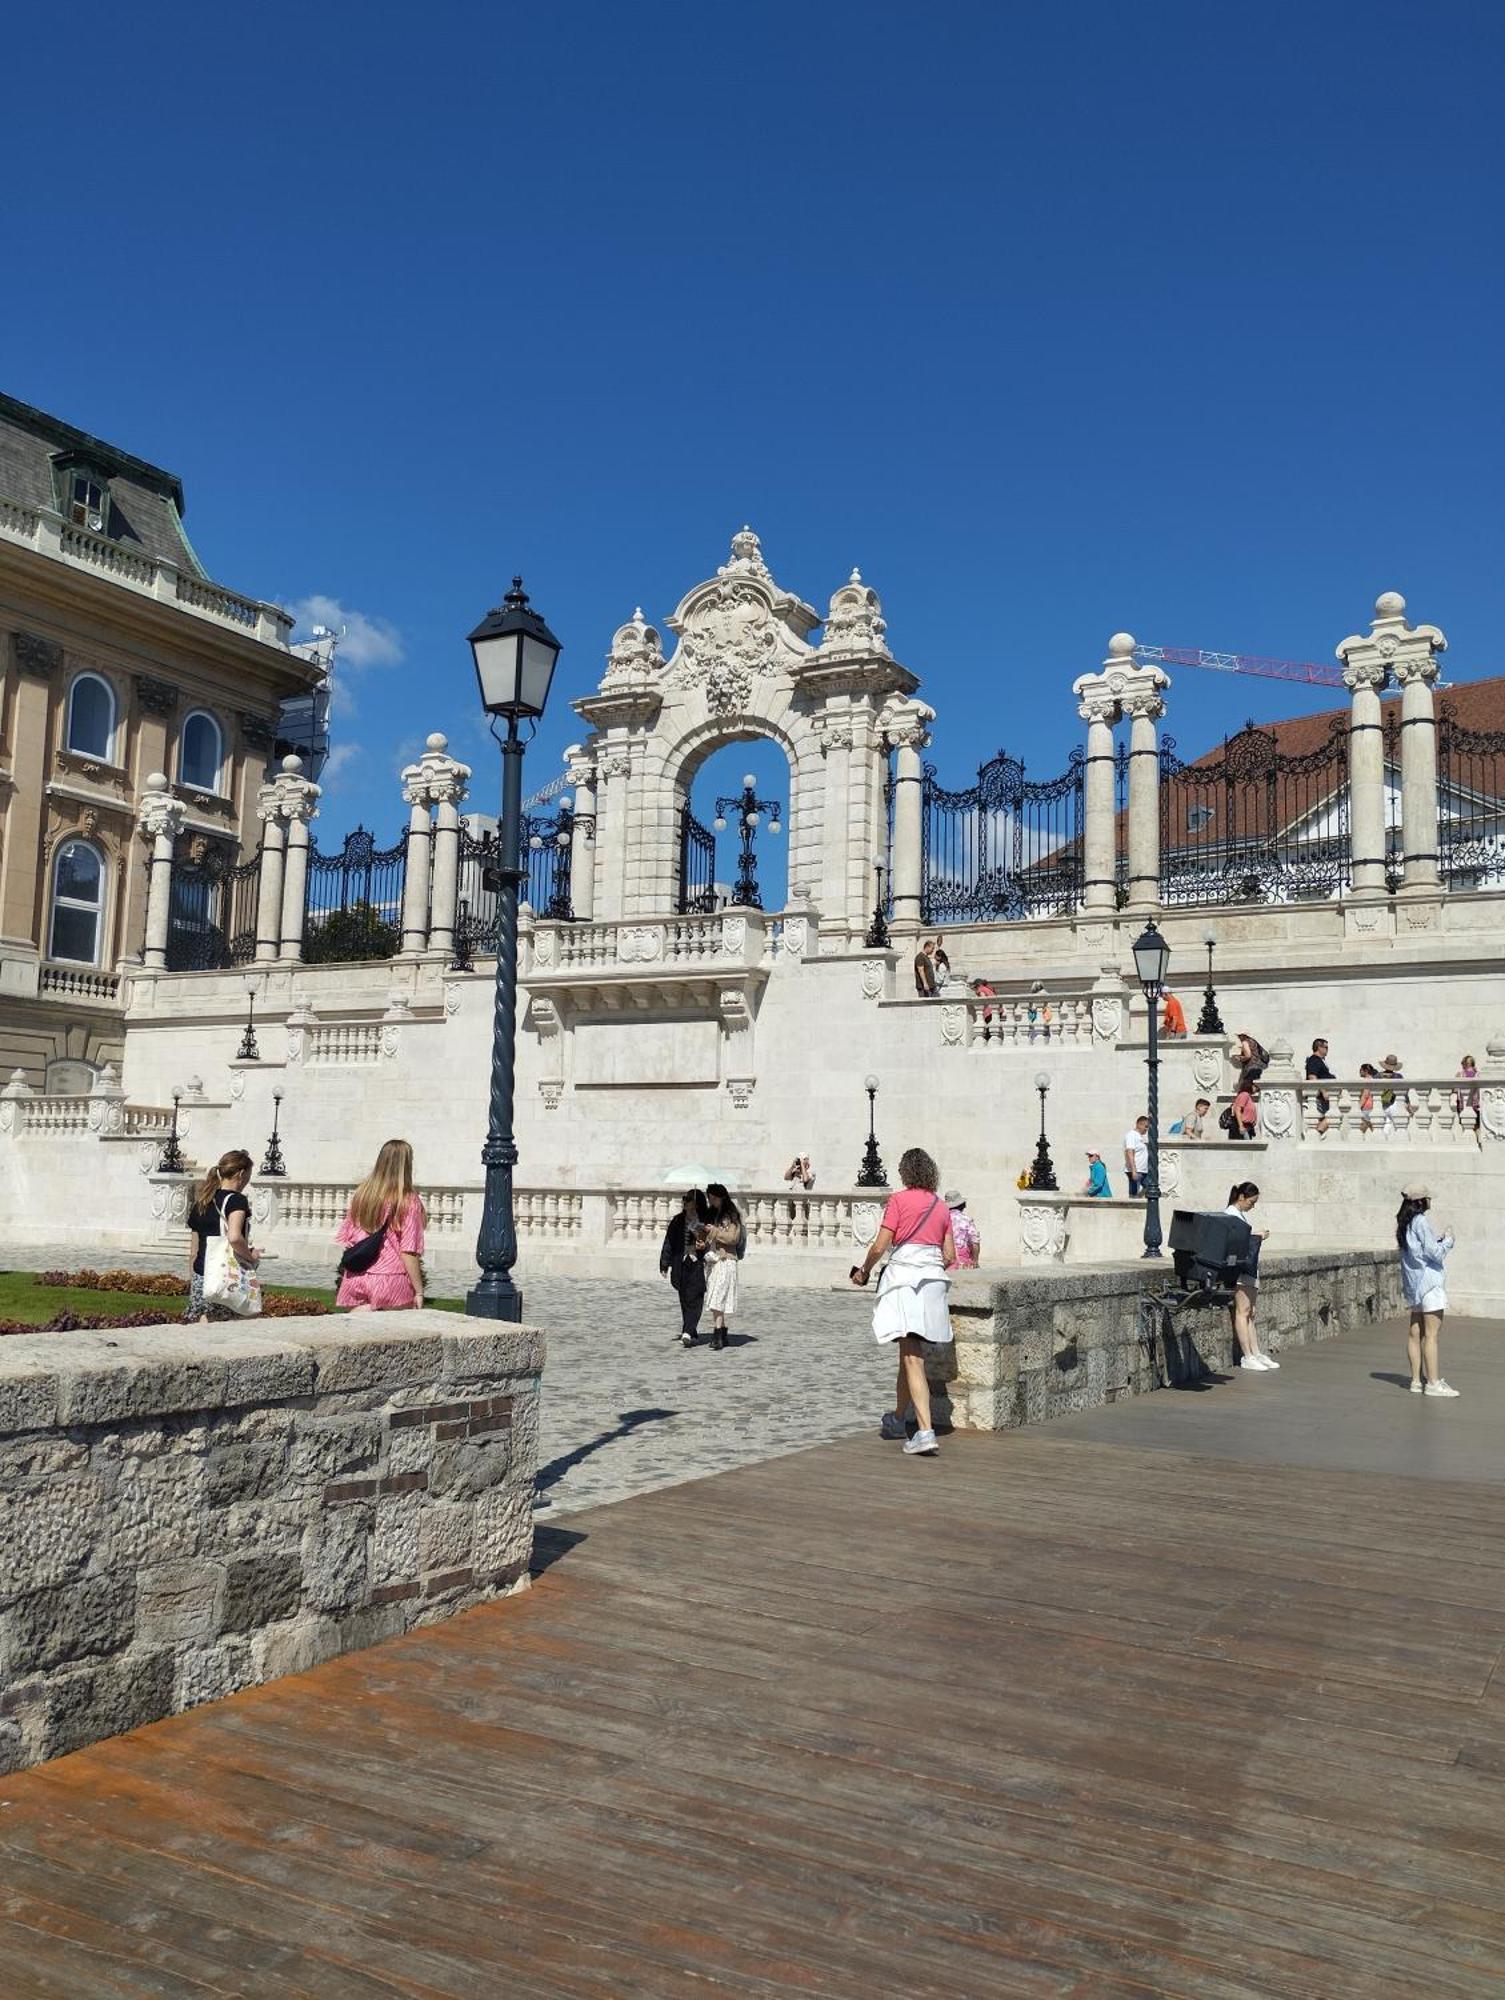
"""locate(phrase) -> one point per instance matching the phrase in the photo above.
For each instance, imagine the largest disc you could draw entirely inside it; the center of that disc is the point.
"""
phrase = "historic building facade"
(119, 661)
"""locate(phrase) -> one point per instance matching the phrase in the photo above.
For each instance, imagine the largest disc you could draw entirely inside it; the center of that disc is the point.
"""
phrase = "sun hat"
(1092, 1154)
(1391, 1062)
(1416, 1192)
(954, 1198)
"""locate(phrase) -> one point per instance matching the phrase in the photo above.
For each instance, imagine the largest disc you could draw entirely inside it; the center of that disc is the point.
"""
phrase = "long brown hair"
(230, 1167)
(386, 1191)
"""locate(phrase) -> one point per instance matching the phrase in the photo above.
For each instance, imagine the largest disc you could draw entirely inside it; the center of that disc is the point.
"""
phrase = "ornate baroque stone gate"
(745, 667)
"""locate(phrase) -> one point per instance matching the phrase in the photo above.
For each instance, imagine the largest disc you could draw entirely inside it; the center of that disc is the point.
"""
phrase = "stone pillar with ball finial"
(298, 802)
(1391, 646)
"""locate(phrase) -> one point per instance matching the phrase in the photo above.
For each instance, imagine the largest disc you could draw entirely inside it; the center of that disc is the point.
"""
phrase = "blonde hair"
(230, 1167)
(384, 1194)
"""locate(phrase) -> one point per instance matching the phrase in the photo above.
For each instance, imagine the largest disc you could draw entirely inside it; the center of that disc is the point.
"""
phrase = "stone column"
(269, 887)
(1415, 665)
(299, 800)
(1144, 705)
(160, 817)
(415, 881)
(613, 832)
(907, 734)
(447, 790)
(1098, 706)
(1368, 659)
(582, 774)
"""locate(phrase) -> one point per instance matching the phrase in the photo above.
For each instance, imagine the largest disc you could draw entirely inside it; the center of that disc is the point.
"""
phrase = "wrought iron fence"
(1008, 846)
(211, 908)
(476, 906)
(353, 906)
(1470, 804)
(548, 858)
(697, 864)
(1252, 823)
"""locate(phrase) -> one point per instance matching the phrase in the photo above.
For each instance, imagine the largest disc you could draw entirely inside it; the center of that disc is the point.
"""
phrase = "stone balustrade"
(733, 936)
(1027, 1021)
(60, 982)
(1422, 1111)
(345, 1042)
(187, 1511)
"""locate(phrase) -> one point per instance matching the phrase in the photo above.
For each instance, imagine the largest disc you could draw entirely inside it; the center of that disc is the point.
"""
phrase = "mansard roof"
(146, 503)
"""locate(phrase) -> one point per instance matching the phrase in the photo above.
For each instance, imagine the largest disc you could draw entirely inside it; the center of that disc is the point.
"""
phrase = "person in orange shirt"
(1174, 1022)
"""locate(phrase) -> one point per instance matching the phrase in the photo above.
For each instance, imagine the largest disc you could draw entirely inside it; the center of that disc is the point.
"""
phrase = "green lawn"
(22, 1298)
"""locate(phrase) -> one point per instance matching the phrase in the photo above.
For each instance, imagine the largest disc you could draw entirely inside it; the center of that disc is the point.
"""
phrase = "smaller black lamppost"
(1210, 1021)
(248, 1050)
(172, 1161)
(872, 1174)
(877, 938)
(749, 809)
(273, 1166)
(1152, 957)
(1042, 1175)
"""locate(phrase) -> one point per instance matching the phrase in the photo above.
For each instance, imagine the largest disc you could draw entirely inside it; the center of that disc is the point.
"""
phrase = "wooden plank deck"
(1038, 1717)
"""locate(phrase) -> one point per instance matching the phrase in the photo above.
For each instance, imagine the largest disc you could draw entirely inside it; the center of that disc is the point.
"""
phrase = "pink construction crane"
(1240, 663)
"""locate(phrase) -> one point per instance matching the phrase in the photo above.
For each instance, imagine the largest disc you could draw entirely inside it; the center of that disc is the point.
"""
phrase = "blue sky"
(1055, 320)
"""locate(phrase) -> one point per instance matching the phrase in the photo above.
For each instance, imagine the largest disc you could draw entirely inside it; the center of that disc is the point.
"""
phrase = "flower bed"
(161, 1285)
(156, 1284)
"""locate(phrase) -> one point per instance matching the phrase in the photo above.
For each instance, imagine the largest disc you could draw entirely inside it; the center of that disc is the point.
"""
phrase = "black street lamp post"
(172, 1161)
(515, 653)
(274, 1167)
(872, 1174)
(877, 938)
(248, 1050)
(1152, 957)
(749, 809)
(1210, 1021)
(1042, 1175)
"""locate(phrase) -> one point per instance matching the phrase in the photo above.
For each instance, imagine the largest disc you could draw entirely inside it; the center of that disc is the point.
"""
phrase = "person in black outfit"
(219, 1206)
(1316, 1068)
(682, 1262)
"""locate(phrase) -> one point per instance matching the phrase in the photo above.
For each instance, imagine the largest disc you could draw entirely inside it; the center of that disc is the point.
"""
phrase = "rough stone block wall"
(185, 1511)
(1047, 1343)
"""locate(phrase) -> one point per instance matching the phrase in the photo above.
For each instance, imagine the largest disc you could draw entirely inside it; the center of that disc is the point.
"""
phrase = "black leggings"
(691, 1306)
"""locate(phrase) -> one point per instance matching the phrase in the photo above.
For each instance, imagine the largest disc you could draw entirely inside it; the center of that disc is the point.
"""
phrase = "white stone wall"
(711, 1044)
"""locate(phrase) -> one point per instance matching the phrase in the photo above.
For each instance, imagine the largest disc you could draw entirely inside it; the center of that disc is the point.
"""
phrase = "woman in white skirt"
(728, 1240)
(1422, 1252)
(911, 1305)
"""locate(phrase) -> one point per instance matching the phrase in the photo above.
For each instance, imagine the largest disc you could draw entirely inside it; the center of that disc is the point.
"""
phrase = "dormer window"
(83, 492)
(86, 502)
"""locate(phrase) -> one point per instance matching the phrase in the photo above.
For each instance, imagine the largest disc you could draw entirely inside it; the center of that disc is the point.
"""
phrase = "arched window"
(78, 902)
(91, 716)
(199, 752)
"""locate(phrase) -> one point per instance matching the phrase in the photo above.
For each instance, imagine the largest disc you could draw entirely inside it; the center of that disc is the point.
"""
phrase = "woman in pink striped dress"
(386, 1200)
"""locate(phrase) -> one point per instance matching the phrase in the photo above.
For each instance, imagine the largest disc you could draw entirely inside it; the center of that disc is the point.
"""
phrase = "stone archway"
(744, 666)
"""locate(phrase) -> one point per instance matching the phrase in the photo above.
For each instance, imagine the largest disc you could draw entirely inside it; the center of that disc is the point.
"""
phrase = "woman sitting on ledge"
(383, 1234)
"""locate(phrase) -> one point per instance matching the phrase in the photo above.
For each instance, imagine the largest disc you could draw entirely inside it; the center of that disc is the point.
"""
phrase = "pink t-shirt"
(902, 1217)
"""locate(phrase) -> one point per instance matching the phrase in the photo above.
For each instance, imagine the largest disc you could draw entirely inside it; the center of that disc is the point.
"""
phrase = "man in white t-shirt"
(1137, 1155)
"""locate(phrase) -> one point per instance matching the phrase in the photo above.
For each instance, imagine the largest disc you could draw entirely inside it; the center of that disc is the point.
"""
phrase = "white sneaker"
(1254, 1362)
(922, 1441)
(1269, 1360)
(1416, 1387)
(1440, 1388)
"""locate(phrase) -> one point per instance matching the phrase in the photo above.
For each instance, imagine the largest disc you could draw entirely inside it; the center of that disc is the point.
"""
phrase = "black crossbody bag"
(362, 1254)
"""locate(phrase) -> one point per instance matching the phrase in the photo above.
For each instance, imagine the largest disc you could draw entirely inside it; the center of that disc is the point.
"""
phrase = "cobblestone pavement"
(626, 1409)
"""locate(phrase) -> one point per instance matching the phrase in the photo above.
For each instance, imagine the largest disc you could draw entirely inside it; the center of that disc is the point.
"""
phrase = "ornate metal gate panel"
(353, 908)
(211, 909)
(1253, 823)
(476, 899)
(1006, 847)
(1470, 804)
(697, 864)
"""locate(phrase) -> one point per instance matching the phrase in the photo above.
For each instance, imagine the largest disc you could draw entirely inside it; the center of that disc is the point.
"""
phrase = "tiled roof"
(146, 503)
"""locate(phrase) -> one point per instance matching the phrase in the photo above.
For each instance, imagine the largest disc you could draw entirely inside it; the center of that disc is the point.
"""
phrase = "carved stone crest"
(1107, 1018)
(872, 979)
(866, 1218)
(1207, 1068)
(642, 945)
(157, 697)
(1277, 1113)
(953, 1026)
(729, 641)
(36, 655)
(1042, 1232)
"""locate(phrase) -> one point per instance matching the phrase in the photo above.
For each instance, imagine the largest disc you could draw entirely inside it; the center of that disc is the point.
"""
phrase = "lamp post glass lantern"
(1042, 1175)
(1152, 957)
(1210, 1021)
(749, 810)
(274, 1167)
(515, 654)
(871, 1174)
